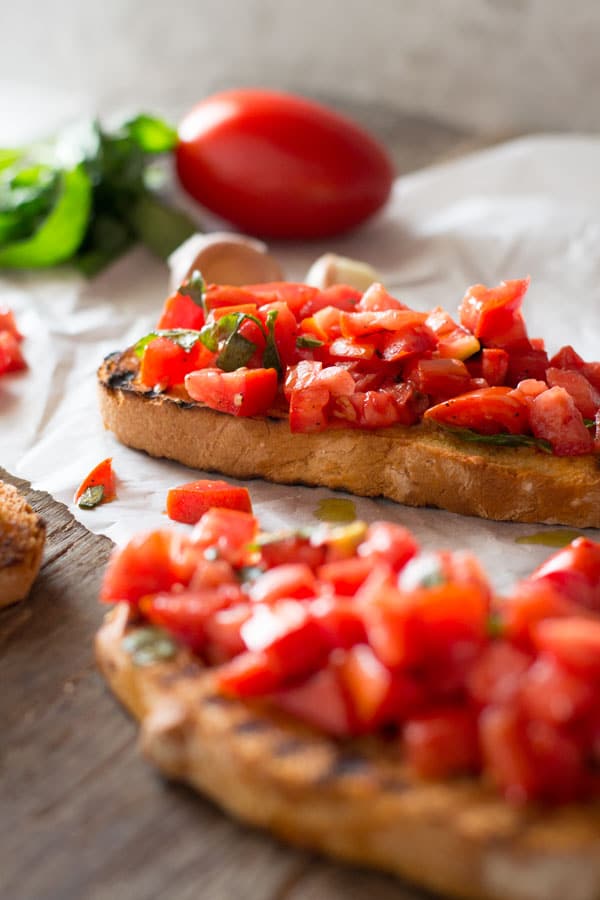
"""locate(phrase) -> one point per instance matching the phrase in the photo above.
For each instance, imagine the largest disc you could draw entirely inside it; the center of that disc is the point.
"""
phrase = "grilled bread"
(22, 535)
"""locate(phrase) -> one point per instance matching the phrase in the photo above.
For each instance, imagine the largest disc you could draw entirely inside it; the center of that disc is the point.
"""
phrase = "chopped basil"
(236, 352)
(271, 358)
(500, 440)
(147, 646)
(91, 497)
(495, 625)
(185, 337)
(194, 288)
(308, 342)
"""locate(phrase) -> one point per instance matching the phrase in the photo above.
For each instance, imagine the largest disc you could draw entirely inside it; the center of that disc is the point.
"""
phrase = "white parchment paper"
(531, 206)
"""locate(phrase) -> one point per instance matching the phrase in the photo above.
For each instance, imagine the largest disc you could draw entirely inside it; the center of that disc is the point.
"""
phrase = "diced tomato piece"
(307, 409)
(574, 642)
(376, 299)
(244, 392)
(388, 543)
(188, 502)
(228, 532)
(555, 418)
(374, 694)
(454, 342)
(217, 295)
(101, 475)
(591, 371)
(442, 743)
(507, 757)
(285, 330)
(531, 602)
(180, 311)
(185, 614)
(248, 309)
(491, 364)
(358, 324)
(493, 314)
(11, 357)
(297, 296)
(248, 675)
(165, 363)
(340, 621)
(405, 342)
(346, 575)
(377, 409)
(290, 637)
(585, 396)
(574, 571)
(344, 348)
(526, 363)
(567, 358)
(340, 296)
(496, 676)
(441, 378)
(531, 388)
(223, 635)
(290, 580)
(328, 320)
(550, 692)
(149, 564)
(487, 410)
(319, 701)
(9, 323)
(309, 373)
(292, 548)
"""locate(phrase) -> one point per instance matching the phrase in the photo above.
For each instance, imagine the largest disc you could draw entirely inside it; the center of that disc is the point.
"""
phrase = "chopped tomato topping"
(494, 314)
(244, 392)
(188, 502)
(555, 418)
(487, 410)
(180, 311)
(102, 476)
(11, 356)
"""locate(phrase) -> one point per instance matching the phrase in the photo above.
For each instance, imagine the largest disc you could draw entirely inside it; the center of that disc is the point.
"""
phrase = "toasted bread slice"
(22, 535)
(418, 466)
(351, 800)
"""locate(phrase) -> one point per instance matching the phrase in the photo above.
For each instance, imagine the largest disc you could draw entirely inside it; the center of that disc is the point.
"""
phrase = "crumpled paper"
(531, 206)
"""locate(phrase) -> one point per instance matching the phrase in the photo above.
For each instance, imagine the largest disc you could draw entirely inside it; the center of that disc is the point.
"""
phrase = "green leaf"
(61, 232)
(26, 197)
(194, 288)
(149, 645)
(152, 135)
(185, 337)
(9, 158)
(271, 359)
(91, 497)
(500, 440)
(308, 342)
(237, 351)
(106, 239)
(495, 626)
(161, 228)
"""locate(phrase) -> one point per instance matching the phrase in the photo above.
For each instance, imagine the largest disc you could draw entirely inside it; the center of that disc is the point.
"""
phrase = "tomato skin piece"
(244, 392)
(281, 166)
(180, 311)
(496, 676)
(102, 474)
(376, 298)
(555, 418)
(286, 581)
(574, 642)
(491, 363)
(292, 549)
(289, 637)
(493, 314)
(188, 502)
(228, 531)
(584, 394)
(388, 543)
(441, 378)
(166, 364)
(550, 692)
(185, 614)
(487, 410)
(11, 357)
(319, 701)
(9, 323)
(150, 563)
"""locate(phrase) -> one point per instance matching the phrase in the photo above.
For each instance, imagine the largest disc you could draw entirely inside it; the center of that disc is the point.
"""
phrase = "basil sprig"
(499, 440)
(194, 287)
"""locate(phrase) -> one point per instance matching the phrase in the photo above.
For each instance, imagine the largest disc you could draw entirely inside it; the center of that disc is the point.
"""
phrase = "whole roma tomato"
(281, 166)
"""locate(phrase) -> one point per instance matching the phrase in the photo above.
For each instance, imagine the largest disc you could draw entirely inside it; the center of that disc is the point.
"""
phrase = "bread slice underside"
(22, 535)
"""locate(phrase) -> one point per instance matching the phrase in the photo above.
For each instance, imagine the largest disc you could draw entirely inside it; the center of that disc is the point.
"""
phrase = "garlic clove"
(224, 258)
(332, 269)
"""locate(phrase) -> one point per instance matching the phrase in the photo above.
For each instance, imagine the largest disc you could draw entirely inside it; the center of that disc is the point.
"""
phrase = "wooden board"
(82, 815)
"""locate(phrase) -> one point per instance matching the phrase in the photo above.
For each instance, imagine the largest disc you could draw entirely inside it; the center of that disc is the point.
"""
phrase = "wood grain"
(82, 815)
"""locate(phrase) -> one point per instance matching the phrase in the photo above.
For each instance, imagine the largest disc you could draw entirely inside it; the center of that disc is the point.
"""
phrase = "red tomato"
(218, 295)
(307, 409)
(290, 580)
(340, 621)
(180, 311)
(285, 330)
(188, 502)
(345, 575)
(11, 357)
(531, 602)
(357, 324)
(280, 165)
(376, 298)
(441, 378)
(549, 691)
(493, 314)
(454, 342)
(555, 418)
(388, 543)
(228, 532)
(185, 614)
(574, 642)
(320, 701)
(149, 564)
(103, 475)
(244, 392)
(496, 676)
(292, 548)
(165, 363)
(491, 364)
(487, 410)
(223, 633)
(506, 755)
(9, 323)
(289, 637)
(442, 743)
(585, 396)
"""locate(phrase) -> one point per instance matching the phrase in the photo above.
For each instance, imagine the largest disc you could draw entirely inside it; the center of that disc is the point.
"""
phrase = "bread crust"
(351, 800)
(22, 536)
(417, 466)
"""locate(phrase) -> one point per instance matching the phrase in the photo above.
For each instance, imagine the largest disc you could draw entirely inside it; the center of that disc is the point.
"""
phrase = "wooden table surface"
(83, 816)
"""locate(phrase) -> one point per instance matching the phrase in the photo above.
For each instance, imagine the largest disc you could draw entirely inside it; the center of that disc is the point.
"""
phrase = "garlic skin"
(331, 269)
(223, 258)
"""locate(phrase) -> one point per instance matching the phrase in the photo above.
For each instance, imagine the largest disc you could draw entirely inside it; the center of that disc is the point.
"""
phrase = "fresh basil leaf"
(61, 232)
(194, 288)
(9, 157)
(152, 135)
(184, 337)
(271, 359)
(500, 440)
(161, 228)
(26, 198)
(237, 352)
(308, 342)
(91, 497)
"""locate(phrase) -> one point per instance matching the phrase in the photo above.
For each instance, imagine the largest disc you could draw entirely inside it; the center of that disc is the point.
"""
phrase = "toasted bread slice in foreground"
(418, 466)
(352, 800)
(22, 535)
